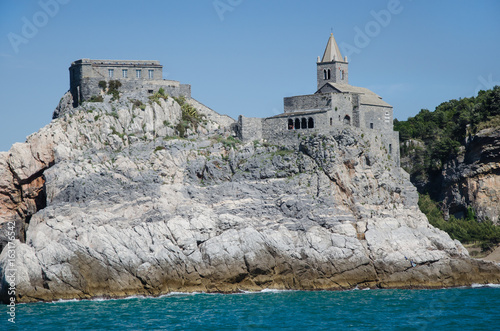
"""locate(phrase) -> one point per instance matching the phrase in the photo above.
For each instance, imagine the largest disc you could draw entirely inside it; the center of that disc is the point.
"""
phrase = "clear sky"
(244, 56)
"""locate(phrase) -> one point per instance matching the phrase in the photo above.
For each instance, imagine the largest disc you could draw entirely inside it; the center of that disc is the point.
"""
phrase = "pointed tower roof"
(332, 52)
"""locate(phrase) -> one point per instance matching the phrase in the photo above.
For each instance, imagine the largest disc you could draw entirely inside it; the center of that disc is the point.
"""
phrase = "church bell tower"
(332, 68)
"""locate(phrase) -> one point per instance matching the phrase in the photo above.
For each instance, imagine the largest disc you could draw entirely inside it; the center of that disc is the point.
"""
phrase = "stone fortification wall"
(90, 87)
(249, 128)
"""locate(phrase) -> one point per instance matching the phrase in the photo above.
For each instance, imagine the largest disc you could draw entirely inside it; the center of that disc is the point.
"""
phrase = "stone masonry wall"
(90, 87)
(249, 128)
(380, 117)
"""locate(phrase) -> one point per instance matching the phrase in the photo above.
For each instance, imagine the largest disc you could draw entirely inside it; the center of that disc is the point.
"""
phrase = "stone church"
(335, 104)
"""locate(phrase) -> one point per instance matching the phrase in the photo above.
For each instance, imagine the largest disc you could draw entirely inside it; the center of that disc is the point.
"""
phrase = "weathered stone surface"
(473, 179)
(129, 212)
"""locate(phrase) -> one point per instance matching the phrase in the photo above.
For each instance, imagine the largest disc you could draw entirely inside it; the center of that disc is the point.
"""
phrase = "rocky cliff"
(109, 202)
(473, 178)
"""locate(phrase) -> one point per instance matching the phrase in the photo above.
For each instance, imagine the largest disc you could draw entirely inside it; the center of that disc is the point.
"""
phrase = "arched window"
(390, 148)
(329, 74)
(324, 74)
(331, 121)
(310, 123)
(347, 120)
(304, 123)
(290, 124)
(297, 123)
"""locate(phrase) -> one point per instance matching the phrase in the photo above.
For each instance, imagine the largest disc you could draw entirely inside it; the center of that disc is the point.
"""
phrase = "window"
(310, 123)
(390, 148)
(124, 73)
(347, 120)
(297, 123)
(342, 74)
(331, 121)
(290, 124)
(304, 124)
(328, 74)
(150, 74)
(110, 73)
(371, 125)
(137, 73)
(324, 74)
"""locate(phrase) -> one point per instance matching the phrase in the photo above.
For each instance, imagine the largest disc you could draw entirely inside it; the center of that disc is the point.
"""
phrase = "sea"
(468, 308)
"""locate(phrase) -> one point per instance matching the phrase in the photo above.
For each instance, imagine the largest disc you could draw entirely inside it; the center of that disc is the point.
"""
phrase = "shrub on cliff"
(467, 230)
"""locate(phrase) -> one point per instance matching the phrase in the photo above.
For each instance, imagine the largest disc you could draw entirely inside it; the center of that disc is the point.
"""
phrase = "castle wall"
(90, 87)
(249, 128)
(85, 75)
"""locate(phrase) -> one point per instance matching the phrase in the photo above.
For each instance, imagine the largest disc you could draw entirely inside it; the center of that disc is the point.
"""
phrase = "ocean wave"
(485, 285)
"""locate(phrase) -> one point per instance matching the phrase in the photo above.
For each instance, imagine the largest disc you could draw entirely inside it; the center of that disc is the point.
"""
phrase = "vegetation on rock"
(431, 139)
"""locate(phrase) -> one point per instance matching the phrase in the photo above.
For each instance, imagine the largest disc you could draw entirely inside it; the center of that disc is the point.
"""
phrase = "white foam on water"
(485, 285)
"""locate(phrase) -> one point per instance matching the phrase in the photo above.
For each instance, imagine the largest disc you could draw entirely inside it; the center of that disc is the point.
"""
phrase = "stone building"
(85, 75)
(334, 105)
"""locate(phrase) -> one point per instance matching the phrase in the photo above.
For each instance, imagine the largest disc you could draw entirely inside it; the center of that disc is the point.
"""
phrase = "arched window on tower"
(304, 123)
(310, 123)
(347, 120)
(290, 124)
(297, 124)
(329, 74)
(342, 75)
(324, 74)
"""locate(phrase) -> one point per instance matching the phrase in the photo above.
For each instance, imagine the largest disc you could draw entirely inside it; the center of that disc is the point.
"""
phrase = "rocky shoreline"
(109, 202)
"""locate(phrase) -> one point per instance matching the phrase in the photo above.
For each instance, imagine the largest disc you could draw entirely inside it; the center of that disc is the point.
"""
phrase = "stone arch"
(290, 124)
(347, 120)
(303, 123)
(297, 123)
(310, 123)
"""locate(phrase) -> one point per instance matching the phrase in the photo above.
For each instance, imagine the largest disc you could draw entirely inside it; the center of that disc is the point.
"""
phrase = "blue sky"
(244, 56)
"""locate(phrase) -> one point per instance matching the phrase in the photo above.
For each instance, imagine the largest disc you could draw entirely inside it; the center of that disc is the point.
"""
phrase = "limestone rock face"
(473, 179)
(110, 203)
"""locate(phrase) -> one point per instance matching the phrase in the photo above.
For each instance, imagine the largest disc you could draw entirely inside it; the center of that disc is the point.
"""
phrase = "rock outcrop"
(473, 178)
(110, 203)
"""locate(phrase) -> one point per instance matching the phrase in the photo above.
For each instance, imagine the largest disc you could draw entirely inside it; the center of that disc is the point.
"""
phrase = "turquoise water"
(476, 308)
